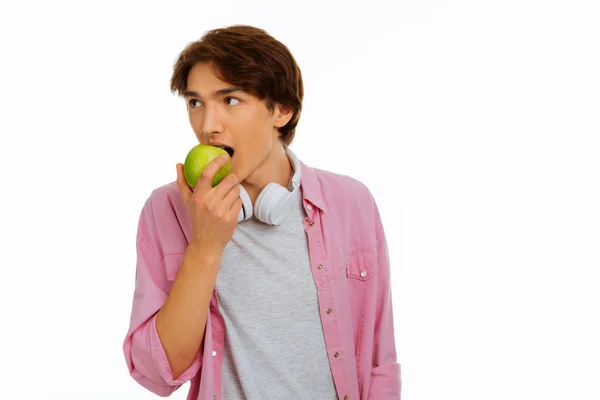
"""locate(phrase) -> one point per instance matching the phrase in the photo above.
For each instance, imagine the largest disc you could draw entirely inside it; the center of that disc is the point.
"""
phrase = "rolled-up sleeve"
(385, 371)
(144, 353)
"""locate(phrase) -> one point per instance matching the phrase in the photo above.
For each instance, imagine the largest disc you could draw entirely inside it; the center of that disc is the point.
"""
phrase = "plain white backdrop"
(474, 123)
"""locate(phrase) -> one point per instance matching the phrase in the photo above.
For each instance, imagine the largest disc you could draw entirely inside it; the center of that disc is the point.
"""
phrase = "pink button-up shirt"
(351, 269)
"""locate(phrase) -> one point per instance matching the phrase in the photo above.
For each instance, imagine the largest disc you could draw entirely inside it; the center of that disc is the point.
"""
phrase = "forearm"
(182, 320)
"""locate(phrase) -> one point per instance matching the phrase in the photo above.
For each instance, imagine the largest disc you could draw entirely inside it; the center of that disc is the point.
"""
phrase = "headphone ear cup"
(246, 210)
(273, 204)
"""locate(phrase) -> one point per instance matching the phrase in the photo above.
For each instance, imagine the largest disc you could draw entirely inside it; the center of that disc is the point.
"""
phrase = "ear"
(282, 114)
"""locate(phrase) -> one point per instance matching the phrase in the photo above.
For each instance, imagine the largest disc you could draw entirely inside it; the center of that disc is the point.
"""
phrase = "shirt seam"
(152, 251)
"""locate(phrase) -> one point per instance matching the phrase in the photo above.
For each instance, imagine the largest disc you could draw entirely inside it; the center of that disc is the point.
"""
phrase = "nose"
(211, 124)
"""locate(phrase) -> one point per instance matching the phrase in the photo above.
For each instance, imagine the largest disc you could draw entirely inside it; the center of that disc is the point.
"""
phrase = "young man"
(274, 284)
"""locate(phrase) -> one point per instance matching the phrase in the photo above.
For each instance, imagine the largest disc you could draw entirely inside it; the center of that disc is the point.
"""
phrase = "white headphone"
(274, 202)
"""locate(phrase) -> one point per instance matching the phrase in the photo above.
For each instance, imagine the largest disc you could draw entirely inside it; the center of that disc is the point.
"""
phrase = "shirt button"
(329, 311)
(311, 223)
(214, 353)
(308, 207)
(346, 397)
(319, 266)
(336, 354)
(363, 274)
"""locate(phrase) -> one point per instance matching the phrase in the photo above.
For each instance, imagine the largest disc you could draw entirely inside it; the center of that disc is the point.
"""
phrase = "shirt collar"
(311, 189)
(306, 177)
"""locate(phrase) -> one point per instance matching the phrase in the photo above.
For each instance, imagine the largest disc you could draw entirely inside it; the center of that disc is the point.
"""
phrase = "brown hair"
(250, 58)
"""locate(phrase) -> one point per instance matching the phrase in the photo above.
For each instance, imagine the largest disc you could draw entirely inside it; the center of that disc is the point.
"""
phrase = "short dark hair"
(250, 58)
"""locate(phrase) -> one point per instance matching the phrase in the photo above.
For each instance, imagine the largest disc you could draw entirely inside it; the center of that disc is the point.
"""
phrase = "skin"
(242, 121)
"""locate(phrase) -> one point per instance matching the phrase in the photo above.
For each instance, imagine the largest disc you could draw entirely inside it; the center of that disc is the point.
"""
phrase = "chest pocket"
(172, 265)
(363, 265)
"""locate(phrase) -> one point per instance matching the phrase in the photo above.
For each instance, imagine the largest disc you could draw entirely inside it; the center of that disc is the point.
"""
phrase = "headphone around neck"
(274, 202)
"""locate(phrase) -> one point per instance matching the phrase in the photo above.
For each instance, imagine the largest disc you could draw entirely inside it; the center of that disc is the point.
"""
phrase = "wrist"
(202, 251)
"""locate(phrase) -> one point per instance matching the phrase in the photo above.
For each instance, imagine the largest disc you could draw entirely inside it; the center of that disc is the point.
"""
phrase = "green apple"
(198, 158)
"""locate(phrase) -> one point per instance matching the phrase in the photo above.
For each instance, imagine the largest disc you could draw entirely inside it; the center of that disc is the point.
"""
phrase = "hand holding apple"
(213, 203)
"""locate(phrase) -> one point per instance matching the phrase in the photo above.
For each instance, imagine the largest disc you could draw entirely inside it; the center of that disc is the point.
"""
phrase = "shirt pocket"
(172, 265)
(362, 266)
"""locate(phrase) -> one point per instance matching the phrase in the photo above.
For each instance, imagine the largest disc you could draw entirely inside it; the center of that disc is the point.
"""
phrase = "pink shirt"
(350, 266)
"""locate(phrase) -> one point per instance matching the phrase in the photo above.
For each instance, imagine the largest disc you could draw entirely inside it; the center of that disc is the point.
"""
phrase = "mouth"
(228, 149)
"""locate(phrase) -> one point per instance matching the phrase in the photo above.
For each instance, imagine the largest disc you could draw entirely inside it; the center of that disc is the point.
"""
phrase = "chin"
(235, 171)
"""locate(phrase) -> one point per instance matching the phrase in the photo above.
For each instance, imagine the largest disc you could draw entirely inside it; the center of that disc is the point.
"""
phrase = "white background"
(474, 123)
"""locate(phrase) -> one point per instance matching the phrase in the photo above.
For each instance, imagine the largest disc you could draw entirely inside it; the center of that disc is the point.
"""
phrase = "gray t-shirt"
(274, 341)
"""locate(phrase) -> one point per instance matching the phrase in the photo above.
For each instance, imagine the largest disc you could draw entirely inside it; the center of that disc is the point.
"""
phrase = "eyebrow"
(221, 92)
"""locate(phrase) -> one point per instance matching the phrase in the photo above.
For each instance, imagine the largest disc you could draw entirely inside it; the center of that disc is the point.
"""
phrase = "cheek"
(195, 119)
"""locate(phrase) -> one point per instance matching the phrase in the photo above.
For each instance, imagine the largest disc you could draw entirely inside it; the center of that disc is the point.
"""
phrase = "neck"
(277, 168)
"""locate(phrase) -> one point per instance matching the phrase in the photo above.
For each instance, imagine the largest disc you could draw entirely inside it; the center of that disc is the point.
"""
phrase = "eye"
(231, 98)
(191, 103)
